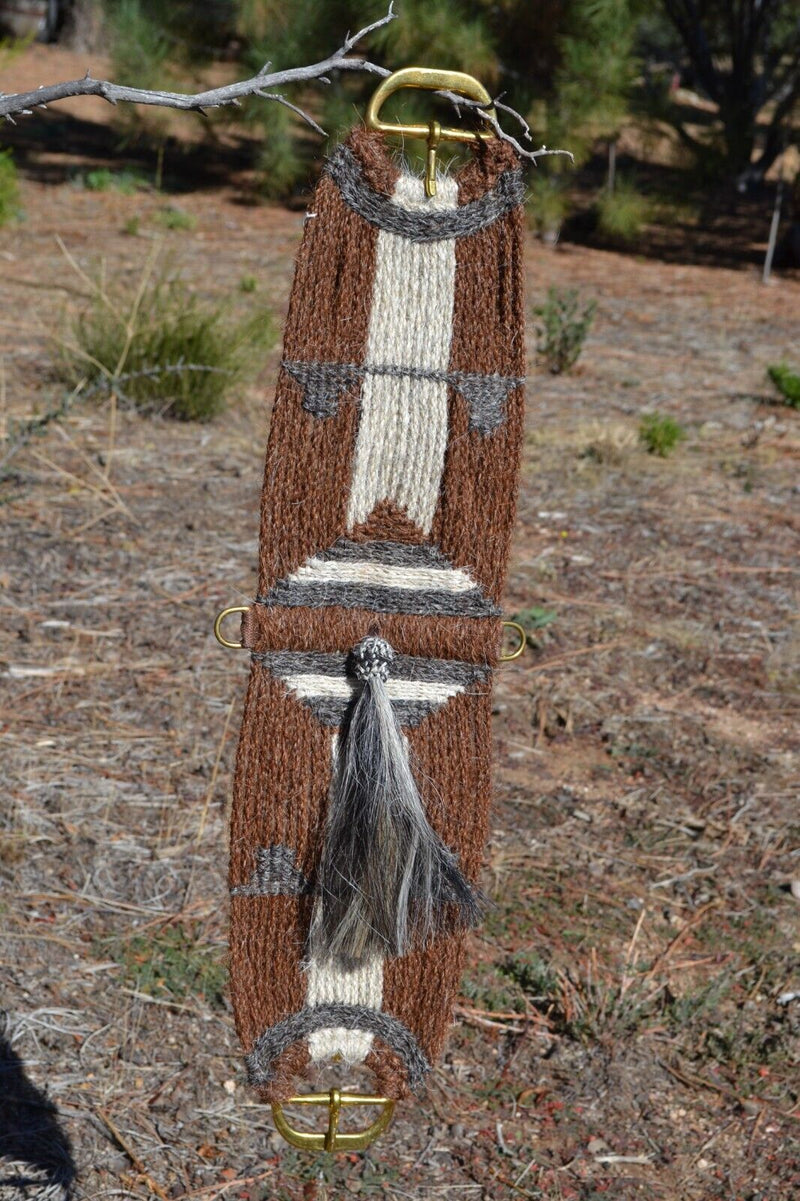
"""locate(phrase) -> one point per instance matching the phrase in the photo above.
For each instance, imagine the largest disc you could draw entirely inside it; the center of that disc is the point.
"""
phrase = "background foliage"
(579, 70)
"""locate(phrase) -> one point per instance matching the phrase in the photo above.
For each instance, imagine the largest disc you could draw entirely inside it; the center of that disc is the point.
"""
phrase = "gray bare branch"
(23, 103)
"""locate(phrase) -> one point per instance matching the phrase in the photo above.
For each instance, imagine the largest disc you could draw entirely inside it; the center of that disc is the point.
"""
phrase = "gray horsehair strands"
(385, 879)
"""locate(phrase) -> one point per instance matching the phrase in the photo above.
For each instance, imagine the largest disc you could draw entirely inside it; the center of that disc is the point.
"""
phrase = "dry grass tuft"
(609, 443)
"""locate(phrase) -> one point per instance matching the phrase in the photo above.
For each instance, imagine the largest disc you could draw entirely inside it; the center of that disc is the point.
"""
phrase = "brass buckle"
(220, 637)
(333, 1139)
(434, 81)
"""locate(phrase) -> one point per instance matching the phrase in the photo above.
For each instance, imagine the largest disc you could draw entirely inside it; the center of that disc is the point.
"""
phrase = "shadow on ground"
(35, 1153)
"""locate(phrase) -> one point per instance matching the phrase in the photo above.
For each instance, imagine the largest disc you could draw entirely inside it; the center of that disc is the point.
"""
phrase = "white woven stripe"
(399, 455)
(361, 986)
(402, 433)
(327, 984)
(382, 575)
(309, 684)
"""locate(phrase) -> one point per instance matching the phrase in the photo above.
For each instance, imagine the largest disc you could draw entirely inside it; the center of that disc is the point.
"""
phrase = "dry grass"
(623, 1029)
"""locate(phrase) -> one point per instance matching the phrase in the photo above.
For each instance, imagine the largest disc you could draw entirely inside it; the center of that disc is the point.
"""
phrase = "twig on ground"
(125, 1146)
(36, 424)
(693, 921)
(630, 960)
(216, 1190)
(509, 1022)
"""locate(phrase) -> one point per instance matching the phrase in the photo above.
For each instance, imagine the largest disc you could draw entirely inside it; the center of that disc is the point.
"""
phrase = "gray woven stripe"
(409, 601)
(275, 874)
(324, 383)
(392, 1032)
(345, 170)
(404, 667)
(330, 711)
(392, 554)
(289, 663)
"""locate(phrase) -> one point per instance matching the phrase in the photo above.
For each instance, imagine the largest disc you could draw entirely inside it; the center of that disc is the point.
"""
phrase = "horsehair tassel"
(386, 881)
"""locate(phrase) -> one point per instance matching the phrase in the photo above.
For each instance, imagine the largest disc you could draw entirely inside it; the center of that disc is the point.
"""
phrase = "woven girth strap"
(387, 508)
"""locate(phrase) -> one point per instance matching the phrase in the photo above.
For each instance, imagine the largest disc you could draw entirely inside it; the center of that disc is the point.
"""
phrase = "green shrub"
(660, 433)
(622, 214)
(160, 348)
(787, 382)
(563, 328)
(534, 618)
(175, 218)
(248, 283)
(547, 207)
(103, 180)
(9, 188)
(131, 227)
(533, 974)
(172, 964)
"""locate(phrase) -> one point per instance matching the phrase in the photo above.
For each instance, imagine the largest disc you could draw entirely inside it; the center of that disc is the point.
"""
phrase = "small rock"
(795, 889)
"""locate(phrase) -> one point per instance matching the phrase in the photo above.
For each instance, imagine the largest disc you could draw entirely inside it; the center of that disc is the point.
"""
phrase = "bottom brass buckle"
(333, 1139)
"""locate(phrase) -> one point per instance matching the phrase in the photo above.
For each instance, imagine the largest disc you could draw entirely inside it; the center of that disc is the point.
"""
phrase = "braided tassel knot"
(372, 657)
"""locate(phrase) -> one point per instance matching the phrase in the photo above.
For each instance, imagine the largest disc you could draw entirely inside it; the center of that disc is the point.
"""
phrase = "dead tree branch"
(23, 103)
(263, 85)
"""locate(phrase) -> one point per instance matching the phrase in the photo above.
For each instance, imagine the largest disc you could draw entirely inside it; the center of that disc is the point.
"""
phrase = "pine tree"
(744, 55)
(593, 82)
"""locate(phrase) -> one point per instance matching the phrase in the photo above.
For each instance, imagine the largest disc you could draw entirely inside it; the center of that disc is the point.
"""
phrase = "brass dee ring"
(333, 1139)
(523, 639)
(220, 637)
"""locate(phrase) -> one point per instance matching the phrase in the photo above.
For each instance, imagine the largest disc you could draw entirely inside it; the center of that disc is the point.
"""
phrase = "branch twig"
(460, 102)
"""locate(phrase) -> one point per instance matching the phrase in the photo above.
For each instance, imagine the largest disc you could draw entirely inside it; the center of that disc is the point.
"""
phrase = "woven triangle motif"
(386, 577)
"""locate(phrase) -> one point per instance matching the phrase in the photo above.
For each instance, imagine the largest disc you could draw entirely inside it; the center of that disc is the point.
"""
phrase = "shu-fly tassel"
(386, 882)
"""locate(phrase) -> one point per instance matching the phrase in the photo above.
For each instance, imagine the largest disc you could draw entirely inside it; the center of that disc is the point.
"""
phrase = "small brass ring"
(523, 640)
(221, 639)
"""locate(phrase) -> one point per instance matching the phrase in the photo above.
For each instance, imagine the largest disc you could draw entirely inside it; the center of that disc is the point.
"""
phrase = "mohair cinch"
(363, 774)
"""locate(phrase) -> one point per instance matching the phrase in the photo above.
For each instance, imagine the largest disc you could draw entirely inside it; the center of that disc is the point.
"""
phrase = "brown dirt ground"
(629, 1020)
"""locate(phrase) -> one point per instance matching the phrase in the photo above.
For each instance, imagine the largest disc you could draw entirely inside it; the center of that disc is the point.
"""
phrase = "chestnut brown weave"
(387, 509)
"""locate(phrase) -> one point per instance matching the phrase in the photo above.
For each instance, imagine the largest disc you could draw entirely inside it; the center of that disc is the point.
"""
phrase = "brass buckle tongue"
(333, 1139)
